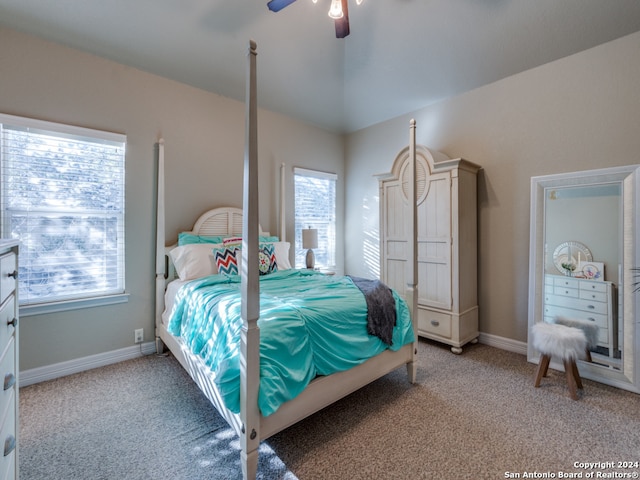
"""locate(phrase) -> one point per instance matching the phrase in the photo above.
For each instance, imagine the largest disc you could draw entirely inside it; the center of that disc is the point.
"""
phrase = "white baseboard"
(50, 372)
(503, 343)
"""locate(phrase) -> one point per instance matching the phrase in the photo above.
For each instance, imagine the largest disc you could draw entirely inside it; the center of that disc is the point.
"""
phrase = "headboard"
(225, 221)
(221, 221)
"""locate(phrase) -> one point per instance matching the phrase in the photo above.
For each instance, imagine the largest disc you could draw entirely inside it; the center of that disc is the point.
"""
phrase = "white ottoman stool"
(568, 343)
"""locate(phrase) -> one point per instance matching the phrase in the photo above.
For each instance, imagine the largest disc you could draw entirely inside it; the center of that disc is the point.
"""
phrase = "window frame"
(97, 298)
(331, 242)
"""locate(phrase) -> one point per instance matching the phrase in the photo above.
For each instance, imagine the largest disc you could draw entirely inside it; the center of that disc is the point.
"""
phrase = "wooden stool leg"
(576, 373)
(569, 366)
(542, 368)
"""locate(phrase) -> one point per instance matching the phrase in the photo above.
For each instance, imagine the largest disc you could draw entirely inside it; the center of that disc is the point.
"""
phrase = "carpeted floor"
(470, 416)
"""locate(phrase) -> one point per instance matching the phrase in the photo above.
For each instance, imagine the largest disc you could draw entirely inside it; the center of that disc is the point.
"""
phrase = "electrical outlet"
(139, 335)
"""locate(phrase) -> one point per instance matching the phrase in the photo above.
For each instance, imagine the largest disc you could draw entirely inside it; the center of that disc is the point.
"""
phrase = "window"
(315, 207)
(63, 198)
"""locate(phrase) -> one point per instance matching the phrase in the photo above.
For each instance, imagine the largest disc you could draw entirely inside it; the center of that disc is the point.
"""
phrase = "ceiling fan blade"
(277, 5)
(342, 24)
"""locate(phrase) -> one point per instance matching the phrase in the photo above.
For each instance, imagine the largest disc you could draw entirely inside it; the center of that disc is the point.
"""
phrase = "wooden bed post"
(283, 211)
(412, 248)
(321, 392)
(160, 262)
(250, 338)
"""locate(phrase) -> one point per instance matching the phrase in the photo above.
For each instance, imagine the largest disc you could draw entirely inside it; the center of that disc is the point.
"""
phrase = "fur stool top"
(559, 340)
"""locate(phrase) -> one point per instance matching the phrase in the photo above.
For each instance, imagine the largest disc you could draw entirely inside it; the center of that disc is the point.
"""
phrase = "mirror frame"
(628, 177)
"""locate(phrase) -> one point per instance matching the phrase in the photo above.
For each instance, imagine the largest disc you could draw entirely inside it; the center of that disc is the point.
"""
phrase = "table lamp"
(310, 241)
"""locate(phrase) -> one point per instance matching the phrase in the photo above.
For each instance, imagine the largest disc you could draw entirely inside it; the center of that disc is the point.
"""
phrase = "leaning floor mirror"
(584, 264)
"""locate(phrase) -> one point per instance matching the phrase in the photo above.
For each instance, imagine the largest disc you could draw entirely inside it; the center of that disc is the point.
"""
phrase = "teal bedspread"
(310, 324)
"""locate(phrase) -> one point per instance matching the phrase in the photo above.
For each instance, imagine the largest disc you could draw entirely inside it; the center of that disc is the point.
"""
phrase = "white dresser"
(447, 242)
(9, 359)
(585, 300)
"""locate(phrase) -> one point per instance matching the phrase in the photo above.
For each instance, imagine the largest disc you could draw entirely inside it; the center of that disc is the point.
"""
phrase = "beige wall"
(204, 138)
(577, 113)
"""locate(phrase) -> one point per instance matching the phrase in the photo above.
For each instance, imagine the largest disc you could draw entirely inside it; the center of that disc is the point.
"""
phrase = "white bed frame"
(250, 425)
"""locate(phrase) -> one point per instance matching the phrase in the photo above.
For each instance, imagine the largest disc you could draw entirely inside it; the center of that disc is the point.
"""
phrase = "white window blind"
(63, 198)
(315, 207)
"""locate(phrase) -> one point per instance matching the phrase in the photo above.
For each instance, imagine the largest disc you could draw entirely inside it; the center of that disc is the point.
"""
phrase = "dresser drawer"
(434, 322)
(9, 360)
(8, 266)
(588, 306)
(566, 282)
(593, 296)
(593, 286)
(566, 292)
(7, 315)
(7, 374)
(8, 441)
(600, 319)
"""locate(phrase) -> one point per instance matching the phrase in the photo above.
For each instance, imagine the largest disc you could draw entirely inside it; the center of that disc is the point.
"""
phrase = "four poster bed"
(259, 378)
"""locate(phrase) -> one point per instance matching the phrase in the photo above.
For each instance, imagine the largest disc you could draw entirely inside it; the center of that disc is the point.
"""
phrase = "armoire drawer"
(434, 322)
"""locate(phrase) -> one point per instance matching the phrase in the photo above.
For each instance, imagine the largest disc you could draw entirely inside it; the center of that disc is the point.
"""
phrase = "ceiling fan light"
(336, 9)
(316, 1)
(358, 2)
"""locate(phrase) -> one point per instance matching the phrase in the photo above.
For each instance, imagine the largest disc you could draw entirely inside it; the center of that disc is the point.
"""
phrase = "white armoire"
(446, 193)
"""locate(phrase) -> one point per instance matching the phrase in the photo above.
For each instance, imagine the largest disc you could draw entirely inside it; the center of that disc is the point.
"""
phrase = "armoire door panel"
(434, 288)
(395, 275)
(396, 249)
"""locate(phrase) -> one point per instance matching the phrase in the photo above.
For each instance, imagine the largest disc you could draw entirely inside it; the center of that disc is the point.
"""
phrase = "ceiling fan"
(339, 11)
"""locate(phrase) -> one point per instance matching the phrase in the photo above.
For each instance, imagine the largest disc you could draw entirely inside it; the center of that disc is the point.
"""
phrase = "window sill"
(29, 310)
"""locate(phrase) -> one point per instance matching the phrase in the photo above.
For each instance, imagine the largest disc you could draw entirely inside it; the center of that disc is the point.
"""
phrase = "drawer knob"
(13, 322)
(9, 381)
(9, 445)
(13, 274)
(435, 323)
(591, 307)
(591, 319)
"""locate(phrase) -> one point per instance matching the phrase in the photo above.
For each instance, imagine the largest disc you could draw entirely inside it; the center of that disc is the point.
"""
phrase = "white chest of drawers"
(585, 300)
(8, 359)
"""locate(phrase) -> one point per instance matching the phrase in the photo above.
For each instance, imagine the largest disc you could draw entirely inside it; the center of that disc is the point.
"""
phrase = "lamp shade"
(310, 238)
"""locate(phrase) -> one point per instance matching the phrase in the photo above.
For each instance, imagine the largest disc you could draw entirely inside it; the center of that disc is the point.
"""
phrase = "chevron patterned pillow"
(226, 260)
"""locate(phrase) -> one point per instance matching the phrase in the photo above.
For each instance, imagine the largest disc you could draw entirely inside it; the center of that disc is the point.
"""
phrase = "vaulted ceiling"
(401, 55)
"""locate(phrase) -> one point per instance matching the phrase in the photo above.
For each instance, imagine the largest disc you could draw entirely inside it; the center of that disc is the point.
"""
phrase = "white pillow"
(194, 260)
(281, 250)
(282, 255)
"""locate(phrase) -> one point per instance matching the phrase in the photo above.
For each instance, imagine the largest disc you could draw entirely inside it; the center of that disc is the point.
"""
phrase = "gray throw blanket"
(381, 308)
